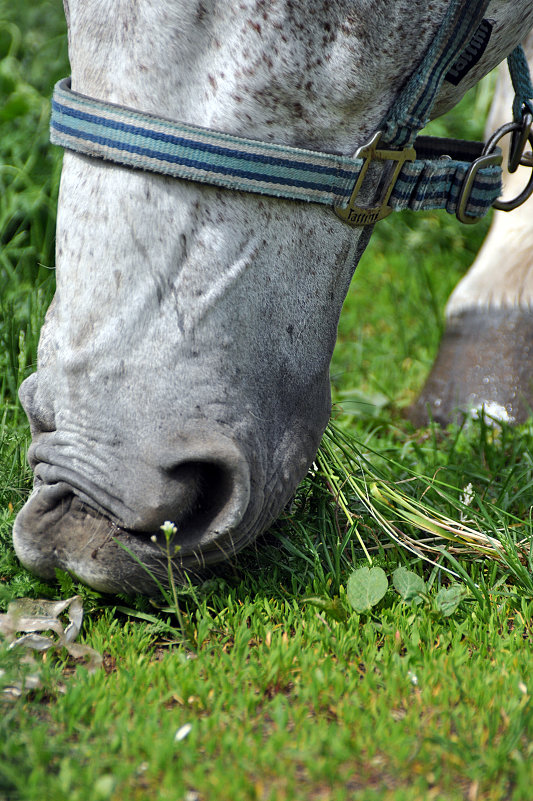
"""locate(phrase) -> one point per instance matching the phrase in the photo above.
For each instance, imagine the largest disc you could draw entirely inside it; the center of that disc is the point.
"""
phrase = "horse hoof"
(485, 361)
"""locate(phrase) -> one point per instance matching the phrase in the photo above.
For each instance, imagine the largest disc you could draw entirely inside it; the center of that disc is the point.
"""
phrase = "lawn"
(274, 681)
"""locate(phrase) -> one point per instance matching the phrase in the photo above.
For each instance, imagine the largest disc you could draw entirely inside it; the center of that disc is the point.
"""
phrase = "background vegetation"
(270, 685)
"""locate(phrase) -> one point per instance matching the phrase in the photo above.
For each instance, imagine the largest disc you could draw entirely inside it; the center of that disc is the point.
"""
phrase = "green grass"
(289, 693)
(284, 704)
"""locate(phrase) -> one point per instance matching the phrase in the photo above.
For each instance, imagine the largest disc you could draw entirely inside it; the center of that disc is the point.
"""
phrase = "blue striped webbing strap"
(519, 69)
(142, 141)
(412, 108)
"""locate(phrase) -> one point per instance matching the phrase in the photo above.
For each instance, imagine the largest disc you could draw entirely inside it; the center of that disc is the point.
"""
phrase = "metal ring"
(518, 142)
(490, 160)
(510, 127)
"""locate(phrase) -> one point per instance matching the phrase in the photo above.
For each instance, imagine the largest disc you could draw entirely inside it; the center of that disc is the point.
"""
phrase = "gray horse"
(183, 368)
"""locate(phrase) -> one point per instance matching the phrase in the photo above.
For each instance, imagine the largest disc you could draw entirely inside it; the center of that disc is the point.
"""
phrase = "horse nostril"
(217, 497)
(211, 486)
(203, 491)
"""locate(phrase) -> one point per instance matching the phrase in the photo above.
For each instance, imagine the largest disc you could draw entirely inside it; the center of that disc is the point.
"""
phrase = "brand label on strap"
(471, 54)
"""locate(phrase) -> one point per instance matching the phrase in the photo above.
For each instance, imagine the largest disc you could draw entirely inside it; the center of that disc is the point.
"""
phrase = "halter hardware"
(490, 160)
(423, 173)
(521, 134)
(519, 139)
(356, 215)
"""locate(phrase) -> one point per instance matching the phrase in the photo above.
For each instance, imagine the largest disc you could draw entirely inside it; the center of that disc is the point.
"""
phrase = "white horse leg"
(486, 354)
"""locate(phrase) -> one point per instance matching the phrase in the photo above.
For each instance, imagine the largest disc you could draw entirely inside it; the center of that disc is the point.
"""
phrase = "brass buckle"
(357, 215)
(488, 160)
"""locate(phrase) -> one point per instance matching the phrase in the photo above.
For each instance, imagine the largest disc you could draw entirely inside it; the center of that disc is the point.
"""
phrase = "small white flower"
(467, 496)
(154, 538)
(413, 678)
(522, 687)
(182, 732)
(168, 528)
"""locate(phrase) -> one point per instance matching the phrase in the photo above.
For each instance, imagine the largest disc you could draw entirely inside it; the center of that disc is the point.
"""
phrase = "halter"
(424, 173)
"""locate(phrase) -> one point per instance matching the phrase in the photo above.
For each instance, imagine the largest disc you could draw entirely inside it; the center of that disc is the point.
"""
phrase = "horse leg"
(486, 354)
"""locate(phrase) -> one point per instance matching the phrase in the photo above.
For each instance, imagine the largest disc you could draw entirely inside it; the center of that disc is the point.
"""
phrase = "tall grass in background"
(33, 54)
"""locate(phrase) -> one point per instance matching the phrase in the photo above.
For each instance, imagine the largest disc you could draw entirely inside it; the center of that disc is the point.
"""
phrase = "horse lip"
(61, 527)
(109, 559)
